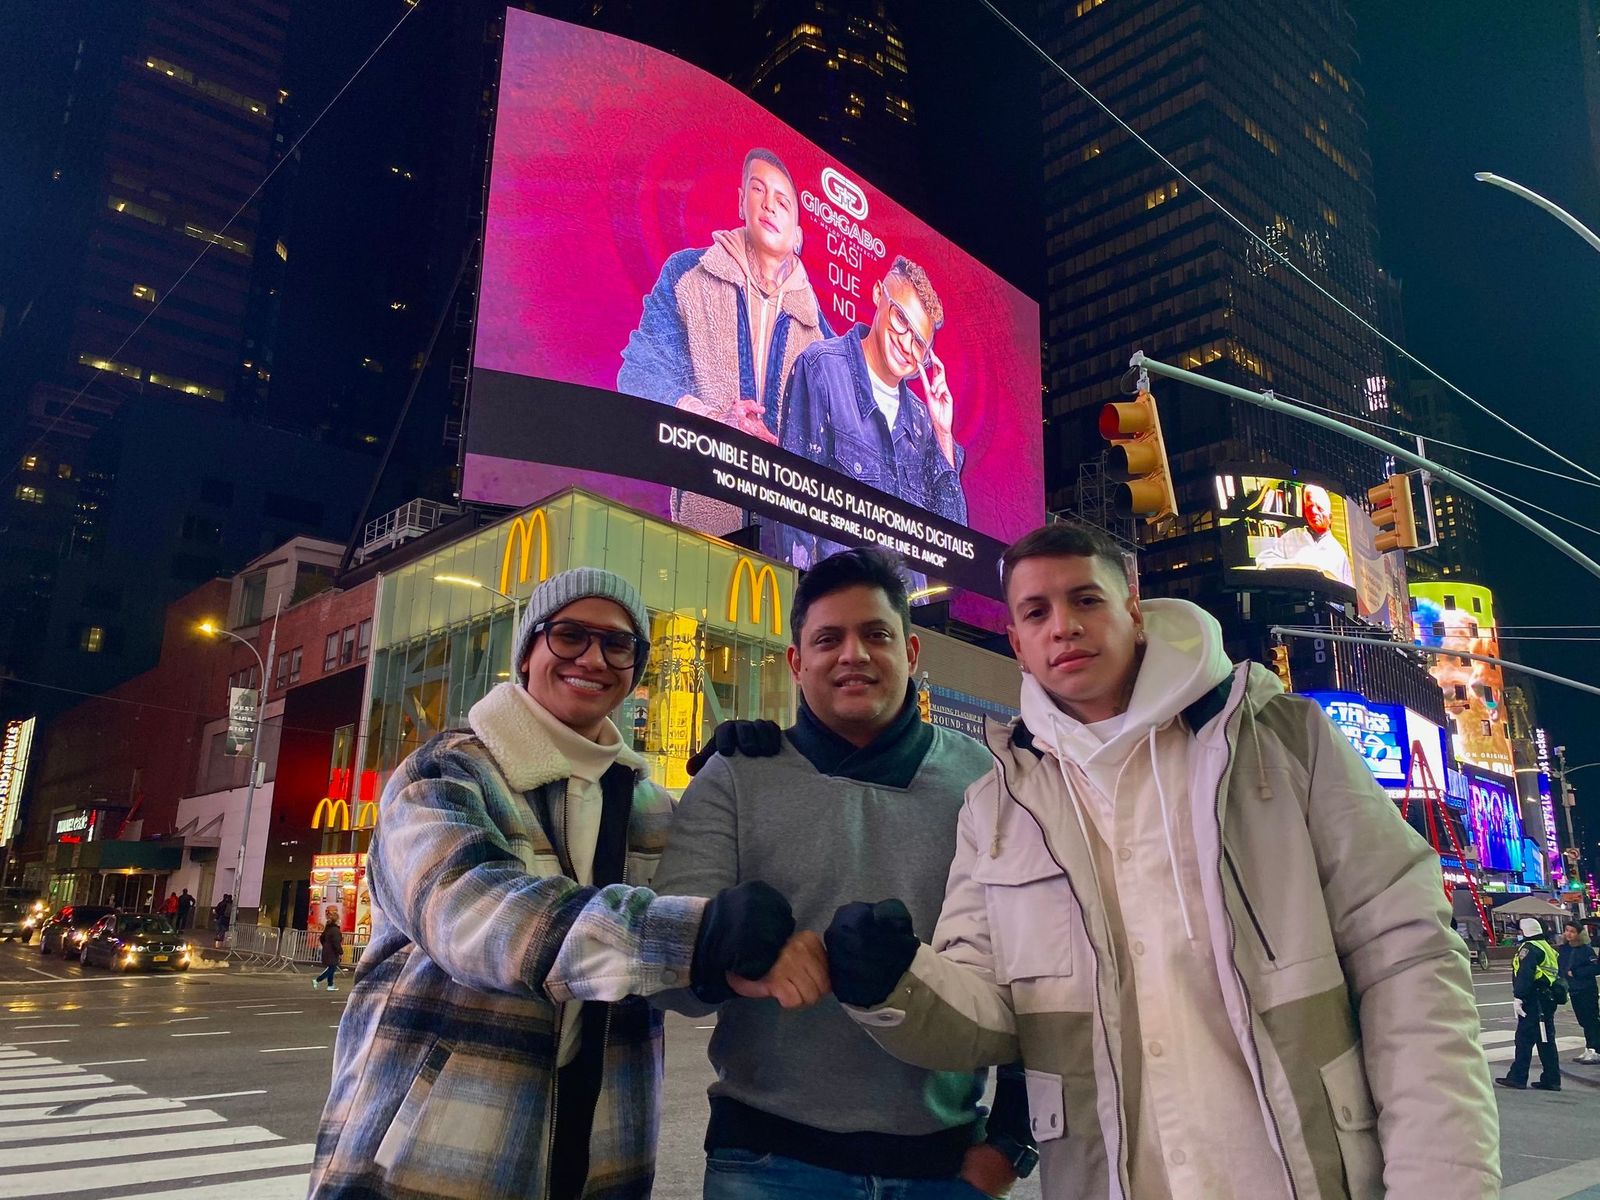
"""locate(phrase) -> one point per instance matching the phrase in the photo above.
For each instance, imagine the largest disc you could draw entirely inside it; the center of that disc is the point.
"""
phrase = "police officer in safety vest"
(1534, 1002)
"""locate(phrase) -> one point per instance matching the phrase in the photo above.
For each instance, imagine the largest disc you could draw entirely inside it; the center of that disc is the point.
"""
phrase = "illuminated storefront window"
(719, 629)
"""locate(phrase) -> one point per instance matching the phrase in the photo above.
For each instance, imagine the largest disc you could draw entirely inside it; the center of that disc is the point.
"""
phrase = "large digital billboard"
(1460, 616)
(1377, 731)
(1294, 531)
(688, 307)
(1494, 821)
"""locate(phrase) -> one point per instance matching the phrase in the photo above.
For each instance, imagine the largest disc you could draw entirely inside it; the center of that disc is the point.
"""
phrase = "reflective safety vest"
(1544, 970)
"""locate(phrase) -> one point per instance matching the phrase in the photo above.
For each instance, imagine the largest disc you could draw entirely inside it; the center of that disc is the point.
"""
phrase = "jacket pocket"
(860, 459)
(1047, 1116)
(1355, 1121)
(1031, 918)
(416, 1098)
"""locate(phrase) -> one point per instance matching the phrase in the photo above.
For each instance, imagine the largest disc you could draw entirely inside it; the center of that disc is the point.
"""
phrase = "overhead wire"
(410, 7)
(1267, 246)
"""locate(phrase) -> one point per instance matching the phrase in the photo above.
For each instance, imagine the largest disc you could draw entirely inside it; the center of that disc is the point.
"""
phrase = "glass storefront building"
(446, 624)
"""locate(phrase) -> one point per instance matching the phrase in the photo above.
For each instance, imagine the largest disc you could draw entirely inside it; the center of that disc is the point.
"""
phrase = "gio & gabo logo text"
(844, 193)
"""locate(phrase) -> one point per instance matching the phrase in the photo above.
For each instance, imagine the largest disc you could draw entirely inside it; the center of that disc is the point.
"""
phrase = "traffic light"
(925, 705)
(1393, 514)
(1280, 666)
(1138, 459)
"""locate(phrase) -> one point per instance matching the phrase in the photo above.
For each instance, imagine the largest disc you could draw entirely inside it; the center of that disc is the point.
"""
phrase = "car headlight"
(79, 936)
(183, 948)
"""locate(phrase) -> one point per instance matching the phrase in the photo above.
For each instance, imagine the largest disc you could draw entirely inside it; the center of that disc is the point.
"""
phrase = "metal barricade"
(295, 945)
(253, 939)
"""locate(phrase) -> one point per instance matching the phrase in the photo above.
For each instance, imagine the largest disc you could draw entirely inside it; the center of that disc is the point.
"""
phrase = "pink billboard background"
(608, 158)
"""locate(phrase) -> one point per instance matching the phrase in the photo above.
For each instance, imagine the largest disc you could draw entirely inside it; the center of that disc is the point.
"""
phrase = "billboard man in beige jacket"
(1182, 900)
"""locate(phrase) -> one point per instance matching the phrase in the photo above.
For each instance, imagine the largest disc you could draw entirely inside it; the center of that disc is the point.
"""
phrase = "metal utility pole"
(1567, 801)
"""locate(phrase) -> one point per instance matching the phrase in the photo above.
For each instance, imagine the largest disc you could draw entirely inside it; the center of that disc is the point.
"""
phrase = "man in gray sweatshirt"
(859, 797)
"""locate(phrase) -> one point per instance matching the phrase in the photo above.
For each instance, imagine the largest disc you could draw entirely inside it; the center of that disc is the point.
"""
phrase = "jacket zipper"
(1099, 1009)
(1249, 908)
(555, 1057)
(1249, 1004)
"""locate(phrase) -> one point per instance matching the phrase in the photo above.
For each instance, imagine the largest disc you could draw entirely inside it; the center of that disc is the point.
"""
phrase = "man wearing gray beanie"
(496, 1042)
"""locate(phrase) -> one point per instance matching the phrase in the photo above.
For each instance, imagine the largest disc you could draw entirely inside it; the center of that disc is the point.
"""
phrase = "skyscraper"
(1259, 105)
(138, 291)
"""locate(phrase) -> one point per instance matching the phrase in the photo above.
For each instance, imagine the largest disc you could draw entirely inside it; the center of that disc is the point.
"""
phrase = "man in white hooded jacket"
(1181, 899)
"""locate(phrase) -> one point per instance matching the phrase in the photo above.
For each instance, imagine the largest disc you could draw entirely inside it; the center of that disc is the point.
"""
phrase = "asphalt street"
(209, 1084)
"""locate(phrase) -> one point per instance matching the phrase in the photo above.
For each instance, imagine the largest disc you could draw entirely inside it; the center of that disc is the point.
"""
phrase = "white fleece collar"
(505, 723)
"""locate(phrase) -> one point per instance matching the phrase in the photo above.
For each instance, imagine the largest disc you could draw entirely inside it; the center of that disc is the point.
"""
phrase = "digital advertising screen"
(1494, 822)
(690, 308)
(1427, 739)
(1293, 531)
(1460, 616)
(1377, 731)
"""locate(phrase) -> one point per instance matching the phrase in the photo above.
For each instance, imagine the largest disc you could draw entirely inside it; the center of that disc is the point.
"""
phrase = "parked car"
(22, 912)
(66, 932)
(128, 941)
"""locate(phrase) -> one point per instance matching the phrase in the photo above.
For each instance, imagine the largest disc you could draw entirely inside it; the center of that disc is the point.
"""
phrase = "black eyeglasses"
(900, 325)
(570, 641)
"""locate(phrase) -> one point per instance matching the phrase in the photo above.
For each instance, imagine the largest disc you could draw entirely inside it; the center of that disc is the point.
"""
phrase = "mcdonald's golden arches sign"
(521, 535)
(759, 581)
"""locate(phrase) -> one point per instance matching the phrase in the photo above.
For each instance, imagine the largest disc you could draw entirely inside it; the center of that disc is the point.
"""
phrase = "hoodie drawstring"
(1166, 828)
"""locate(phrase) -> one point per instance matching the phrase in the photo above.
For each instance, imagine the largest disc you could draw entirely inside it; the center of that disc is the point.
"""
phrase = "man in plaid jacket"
(496, 1043)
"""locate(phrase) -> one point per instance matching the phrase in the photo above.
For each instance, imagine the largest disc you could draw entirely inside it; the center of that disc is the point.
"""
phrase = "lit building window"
(373, 365)
(114, 368)
(281, 250)
(30, 462)
(91, 639)
(143, 291)
(131, 209)
(1092, 150)
(216, 239)
(187, 386)
(1167, 191)
(216, 91)
(1331, 217)
(1085, 6)
(30, 494)
(63, 470)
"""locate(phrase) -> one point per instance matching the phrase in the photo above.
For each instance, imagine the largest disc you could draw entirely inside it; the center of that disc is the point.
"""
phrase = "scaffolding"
(1422, 786)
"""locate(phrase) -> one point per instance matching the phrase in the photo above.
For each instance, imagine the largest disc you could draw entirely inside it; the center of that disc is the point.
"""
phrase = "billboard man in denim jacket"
(850, 407)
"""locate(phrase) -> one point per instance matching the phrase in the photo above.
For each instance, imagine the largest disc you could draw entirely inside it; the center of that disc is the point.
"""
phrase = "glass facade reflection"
(718, 629)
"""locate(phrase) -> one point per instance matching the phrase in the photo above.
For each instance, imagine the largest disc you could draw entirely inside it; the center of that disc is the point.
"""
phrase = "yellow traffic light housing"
(925, 705)
(1138, 459)
(1280, 666)
(1393, 514)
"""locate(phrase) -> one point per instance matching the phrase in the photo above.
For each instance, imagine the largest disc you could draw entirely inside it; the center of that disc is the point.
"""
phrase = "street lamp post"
(468, 581)
(1562, 771)
(213, 629)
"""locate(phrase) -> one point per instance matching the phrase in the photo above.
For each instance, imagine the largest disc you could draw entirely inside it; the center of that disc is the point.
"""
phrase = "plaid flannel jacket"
(445, 1067)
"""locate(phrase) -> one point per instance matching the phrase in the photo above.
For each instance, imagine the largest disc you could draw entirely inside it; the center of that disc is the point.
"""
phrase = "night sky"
(1500, 298)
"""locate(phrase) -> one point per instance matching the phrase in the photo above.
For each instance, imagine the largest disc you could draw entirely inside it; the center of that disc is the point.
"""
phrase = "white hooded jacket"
(1345, 991)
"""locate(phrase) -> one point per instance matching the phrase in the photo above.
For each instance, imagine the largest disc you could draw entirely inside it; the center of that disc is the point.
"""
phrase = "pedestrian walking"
(332, 952)
(1180, 897)
(223, 913)
(1533, 1000)
(497, 1043)
(185, 909)
(1578, 967)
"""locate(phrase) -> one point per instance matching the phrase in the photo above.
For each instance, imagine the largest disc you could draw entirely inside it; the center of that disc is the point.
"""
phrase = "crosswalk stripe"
(35, 1085)
(48, 1066)
(282, 1187)
(92, 1126)
(16, 1185)
(21, 1157)
(1497, 1037)
(62, 1097)
(1507, 1053)
(101, 1108)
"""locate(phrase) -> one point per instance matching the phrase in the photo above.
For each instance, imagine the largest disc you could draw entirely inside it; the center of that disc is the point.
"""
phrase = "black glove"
(753, 739)
(869, 947)
(743, 930)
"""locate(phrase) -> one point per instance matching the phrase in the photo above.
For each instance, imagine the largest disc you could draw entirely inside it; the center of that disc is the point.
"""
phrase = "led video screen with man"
(688, 307)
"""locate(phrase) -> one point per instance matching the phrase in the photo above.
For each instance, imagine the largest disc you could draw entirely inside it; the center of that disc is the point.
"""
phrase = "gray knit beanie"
(555, 593)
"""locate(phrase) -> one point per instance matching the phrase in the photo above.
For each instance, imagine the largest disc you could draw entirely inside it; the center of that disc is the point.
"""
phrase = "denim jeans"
(744, 1175)
(327, 975)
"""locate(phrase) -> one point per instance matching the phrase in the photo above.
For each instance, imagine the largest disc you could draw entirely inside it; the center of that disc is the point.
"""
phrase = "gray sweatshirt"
(824, 841)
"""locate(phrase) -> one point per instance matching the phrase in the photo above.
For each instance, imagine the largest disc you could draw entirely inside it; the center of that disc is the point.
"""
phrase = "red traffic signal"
(1393, 514)
(1138, 459)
